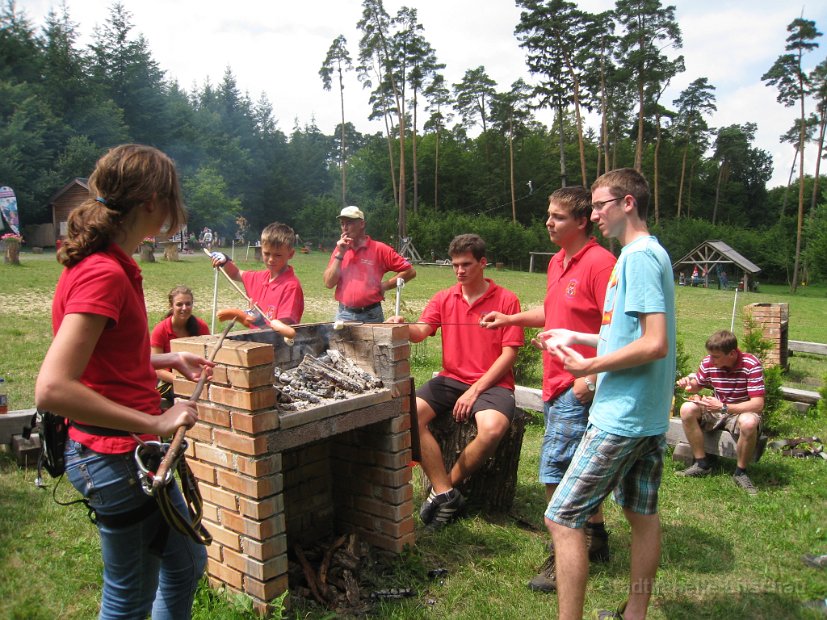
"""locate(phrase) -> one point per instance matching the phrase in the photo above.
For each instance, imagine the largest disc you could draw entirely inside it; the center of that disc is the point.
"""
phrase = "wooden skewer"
(177, 440)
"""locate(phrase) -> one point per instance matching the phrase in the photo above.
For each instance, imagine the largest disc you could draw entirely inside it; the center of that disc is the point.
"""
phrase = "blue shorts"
(566, 419)
(632, 466)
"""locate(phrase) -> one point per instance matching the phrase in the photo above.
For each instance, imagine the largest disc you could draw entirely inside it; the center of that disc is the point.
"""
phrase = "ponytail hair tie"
(101, 200)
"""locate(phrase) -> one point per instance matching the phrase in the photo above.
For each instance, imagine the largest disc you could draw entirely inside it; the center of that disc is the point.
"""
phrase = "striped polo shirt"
(744, 381)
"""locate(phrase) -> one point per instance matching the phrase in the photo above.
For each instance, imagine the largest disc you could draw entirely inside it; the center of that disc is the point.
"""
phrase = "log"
(490, 489)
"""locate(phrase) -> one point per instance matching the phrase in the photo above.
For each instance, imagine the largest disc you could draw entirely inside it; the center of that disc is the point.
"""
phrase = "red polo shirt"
(574, 300)
(281, 298)
(108, 283)
(162, 333)
(360, 280)
(468, 350)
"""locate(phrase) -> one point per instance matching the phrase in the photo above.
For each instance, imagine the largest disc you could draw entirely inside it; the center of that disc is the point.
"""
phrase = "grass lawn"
(725, 554)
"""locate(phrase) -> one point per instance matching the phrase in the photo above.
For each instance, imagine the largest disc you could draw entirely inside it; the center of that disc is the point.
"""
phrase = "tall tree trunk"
(563, 179)
(413, 157)
(639, 145)
(342, 163)
(789, 183)
(436, 171)
(604, 114)
(511, 167)
(799, 228)
(683, 177)
(389, 133)
(822, 126)
(717, 192)
(689, 189)
(655, 171)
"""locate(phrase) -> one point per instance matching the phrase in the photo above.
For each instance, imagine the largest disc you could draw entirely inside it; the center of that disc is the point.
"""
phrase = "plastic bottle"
(4, 402)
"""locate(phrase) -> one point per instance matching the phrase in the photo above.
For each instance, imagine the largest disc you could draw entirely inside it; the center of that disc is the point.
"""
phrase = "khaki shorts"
(717, 421)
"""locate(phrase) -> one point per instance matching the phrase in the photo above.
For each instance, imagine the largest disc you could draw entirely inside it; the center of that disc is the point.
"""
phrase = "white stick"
(214, 301)
(399, 284)
(734, 305)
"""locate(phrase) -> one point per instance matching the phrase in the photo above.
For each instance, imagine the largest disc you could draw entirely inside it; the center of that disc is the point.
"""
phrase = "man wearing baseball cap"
(356, 269)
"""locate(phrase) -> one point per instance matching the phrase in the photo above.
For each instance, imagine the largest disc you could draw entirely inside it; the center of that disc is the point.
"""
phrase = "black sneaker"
(448, 505)
(428, 508)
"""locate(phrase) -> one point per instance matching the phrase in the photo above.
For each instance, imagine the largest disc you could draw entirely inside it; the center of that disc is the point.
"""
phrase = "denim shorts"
(566, 419)
(374, 315)
(137, 580)
(632, 466)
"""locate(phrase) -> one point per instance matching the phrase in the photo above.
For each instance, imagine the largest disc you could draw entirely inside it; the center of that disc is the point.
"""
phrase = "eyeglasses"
(598, 206)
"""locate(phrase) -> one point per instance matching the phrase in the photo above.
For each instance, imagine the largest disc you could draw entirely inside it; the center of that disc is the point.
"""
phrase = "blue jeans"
(135, 580)
(566, 419)
(374, 315)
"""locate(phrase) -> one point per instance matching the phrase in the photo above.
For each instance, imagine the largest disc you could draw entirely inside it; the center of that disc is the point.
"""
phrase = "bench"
(717, 443)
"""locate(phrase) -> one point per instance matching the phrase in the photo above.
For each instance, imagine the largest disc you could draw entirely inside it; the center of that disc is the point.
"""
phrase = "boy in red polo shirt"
(476, 381)
(276, 290)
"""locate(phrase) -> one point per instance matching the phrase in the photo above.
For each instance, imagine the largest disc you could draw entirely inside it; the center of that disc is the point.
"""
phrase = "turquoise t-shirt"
(635, 402)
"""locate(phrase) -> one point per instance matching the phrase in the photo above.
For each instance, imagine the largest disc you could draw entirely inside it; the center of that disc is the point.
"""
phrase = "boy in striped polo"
(737, 383)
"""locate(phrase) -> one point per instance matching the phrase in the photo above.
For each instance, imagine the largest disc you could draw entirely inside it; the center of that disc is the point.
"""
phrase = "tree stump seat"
(490, 489)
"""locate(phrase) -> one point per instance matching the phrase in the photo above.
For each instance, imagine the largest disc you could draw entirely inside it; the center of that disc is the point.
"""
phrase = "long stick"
(399, 284)
(214, 301)
(734, 305)
(175, 446)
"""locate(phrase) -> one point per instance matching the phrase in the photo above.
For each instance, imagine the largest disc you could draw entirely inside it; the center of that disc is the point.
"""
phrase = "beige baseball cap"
(353, 213)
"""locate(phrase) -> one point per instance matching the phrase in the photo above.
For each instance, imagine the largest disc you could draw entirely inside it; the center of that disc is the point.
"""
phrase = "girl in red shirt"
(179, 322)
(99, 373)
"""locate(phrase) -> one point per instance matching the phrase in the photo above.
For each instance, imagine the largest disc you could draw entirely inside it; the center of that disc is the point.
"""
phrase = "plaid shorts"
(632, 466)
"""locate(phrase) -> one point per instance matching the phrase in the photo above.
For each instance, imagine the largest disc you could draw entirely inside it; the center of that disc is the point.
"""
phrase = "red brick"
(250, 377)
(266, 549)
(183, 387)
(257, 488)
(250, 400)
(263, 571)
(261, 509)
(200, 432)
(258, 530)
(381, 509)
(202, 471)
(210, 512)
(245, 444)
(258, 467)
(222, 536)
(244, 353)
(213, 455)
(219, 375)
(393, 460)
(265, 591)
(224, 573)
(389, 543)
(213, 415)
(217, 496)
(197, 345)
(254, 423)
(214, 551)
(400, 423)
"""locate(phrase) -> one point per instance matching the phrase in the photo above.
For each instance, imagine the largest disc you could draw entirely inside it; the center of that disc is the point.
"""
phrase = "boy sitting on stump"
(476, 380)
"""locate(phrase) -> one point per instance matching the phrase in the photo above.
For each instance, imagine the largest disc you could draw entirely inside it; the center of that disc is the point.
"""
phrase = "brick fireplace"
(271, 479)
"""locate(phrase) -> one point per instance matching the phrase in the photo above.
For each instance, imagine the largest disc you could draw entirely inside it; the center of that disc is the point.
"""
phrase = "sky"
(276, 47)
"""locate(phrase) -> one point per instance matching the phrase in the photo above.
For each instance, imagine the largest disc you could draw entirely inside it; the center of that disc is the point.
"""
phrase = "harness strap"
(191, 526)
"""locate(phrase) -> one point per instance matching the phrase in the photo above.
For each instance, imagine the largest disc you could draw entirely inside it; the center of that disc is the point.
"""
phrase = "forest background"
(453, 157)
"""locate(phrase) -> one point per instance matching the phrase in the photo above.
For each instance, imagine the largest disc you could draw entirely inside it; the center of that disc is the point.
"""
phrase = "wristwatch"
(589, 384)
(724, 409)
